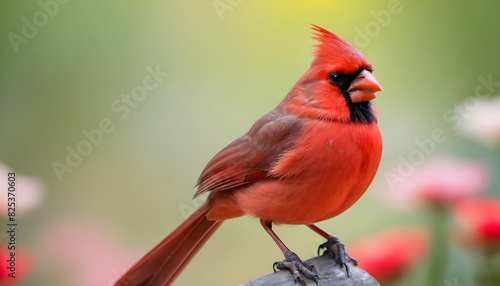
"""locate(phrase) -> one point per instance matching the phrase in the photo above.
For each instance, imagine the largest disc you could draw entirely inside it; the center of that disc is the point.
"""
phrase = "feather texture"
(308, 160)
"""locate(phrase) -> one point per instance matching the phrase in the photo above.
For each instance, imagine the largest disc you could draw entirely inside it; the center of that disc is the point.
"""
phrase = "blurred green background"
(228, 63)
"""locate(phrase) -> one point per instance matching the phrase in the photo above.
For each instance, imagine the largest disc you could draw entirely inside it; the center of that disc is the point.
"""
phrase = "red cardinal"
(308, 160)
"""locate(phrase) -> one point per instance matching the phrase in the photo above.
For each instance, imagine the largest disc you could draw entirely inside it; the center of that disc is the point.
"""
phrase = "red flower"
(479, 222)
(24, 263)
(391, 253)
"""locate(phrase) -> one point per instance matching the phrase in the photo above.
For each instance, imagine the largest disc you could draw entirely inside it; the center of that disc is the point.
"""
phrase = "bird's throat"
(362, 112)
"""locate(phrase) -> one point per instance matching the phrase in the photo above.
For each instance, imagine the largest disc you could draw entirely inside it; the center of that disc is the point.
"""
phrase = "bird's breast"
(327, 171)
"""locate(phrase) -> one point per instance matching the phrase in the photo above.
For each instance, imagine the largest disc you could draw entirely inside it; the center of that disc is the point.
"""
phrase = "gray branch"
(330, 274)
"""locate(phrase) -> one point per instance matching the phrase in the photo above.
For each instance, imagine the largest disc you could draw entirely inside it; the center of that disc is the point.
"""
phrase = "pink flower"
(478, 222)
(442, 180)
(85, 253)
(28, 190)
(391, 253)
(481, 121)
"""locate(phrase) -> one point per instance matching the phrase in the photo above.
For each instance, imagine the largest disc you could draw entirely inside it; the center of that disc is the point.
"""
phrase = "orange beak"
(363, 87)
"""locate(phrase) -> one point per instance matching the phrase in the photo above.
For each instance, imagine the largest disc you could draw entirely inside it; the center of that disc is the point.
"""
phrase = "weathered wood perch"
(330, 274)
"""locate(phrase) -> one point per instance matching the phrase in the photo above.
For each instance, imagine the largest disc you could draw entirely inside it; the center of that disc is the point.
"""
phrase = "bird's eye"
(336, 78)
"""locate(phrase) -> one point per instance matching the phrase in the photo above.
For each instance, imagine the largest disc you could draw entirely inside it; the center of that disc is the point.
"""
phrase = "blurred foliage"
(225, 71)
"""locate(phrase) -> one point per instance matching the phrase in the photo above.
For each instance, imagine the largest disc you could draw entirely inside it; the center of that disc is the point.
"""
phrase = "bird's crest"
(333, 48)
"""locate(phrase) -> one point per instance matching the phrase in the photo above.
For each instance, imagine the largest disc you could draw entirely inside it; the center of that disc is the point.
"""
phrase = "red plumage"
(308, 160)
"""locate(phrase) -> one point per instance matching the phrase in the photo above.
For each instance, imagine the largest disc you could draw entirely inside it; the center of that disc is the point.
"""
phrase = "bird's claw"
(298, 268)
(336, 248)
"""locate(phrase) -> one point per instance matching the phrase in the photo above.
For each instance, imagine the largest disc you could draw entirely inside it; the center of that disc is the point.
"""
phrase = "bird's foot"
(336, 248)
(298, 267)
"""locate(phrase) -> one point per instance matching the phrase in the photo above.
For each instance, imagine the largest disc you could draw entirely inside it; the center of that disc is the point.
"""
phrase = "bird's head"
(339, 85)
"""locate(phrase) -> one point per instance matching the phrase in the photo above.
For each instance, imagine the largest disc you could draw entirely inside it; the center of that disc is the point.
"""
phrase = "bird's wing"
(251, 157)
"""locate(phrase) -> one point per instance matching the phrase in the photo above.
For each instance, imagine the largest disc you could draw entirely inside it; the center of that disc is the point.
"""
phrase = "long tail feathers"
(167, 260)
